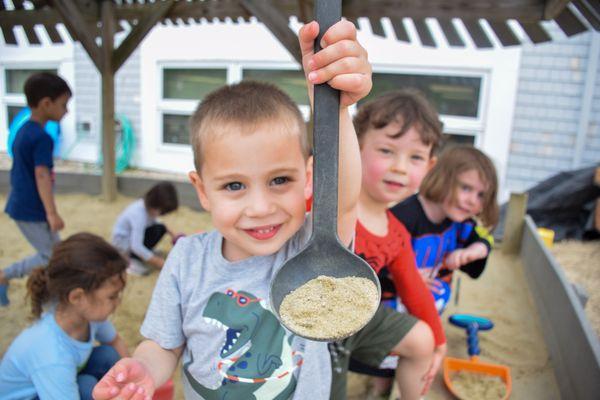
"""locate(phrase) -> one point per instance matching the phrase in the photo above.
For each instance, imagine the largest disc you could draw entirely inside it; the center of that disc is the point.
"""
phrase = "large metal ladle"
(323, 254)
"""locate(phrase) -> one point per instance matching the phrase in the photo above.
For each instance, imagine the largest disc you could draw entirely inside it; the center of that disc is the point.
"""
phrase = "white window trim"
(64, 69)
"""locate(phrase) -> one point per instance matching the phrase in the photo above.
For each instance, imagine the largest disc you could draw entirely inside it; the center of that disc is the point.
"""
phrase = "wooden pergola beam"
(75, 23)
(277, 23)
(554, 7)
(109, 180)
(137, 34)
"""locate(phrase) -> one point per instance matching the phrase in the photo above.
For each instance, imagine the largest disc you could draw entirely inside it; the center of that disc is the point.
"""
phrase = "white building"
(533, 109)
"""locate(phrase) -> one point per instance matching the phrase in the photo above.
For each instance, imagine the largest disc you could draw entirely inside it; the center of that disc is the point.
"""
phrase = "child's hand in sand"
(127, 380)
(461, 257)
(342, 62)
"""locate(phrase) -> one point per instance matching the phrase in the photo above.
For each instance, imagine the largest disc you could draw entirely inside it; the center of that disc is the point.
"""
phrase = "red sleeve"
(412, 290)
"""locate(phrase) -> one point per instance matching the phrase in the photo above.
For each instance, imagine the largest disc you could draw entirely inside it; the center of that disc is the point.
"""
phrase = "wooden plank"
(477, 34)
(46, 16)
(400, 30)
(9, 35)
(504, 33)
(569, 23)
(535, 32)
(554, 7)
(109, 179)
(376, 27)
(513, 225)
(589, 13)
(572, 343)
(452, 36)
(73, 20)
(53, 34)
(424, 34)
(139, 32)
(597, 177)
(32, 36)
(277, 24)
(18, 4)
(525, 10)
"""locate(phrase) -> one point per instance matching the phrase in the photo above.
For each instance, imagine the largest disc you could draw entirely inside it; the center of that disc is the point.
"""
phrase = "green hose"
(124, 143)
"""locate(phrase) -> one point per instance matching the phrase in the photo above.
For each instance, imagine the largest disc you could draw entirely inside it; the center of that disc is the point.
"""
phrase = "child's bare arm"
(137, 377)
(344, 65)
(43, 181)
(460, 257)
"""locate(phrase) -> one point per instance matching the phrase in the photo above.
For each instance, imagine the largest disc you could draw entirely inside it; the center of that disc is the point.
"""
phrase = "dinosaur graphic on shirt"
(256, 359)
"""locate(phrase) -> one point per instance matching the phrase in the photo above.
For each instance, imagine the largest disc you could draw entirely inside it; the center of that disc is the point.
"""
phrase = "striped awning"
(455, 19)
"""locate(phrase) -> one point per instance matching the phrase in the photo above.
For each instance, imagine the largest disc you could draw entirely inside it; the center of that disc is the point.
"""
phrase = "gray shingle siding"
(548, 110)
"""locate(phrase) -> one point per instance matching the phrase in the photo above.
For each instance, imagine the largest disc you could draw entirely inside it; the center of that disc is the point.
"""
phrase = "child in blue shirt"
(57, 357)
(31, 200)
(449, 217)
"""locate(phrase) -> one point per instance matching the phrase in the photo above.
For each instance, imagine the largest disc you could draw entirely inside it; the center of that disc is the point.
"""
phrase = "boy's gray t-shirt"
(234, 346)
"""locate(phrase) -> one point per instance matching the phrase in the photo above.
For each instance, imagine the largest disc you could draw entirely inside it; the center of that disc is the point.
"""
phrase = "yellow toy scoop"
(473, 379)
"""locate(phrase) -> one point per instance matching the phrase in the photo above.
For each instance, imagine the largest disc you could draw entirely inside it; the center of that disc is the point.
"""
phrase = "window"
(454, 139)
(182, 88)
(15, 78)
(450, 94)
(291, 82)
(192, 84)
(175, 129)
(13, 96)
(11, 112)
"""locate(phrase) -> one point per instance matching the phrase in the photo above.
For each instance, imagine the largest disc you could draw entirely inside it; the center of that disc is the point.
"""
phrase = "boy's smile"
(255, 184)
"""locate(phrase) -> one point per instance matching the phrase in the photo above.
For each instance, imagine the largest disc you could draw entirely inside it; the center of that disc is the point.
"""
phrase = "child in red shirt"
(398, 134)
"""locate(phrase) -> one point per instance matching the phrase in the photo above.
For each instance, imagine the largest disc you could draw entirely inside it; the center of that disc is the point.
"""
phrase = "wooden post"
(109, 179)
(513, 225)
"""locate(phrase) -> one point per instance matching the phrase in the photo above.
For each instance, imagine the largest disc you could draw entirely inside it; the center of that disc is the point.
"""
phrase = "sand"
(328, 308)
(580, 262)
(501, 294)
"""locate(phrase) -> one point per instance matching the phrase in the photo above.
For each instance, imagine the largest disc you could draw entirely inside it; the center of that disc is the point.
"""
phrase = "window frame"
(453, 124)
(180, 106)
(18, 99)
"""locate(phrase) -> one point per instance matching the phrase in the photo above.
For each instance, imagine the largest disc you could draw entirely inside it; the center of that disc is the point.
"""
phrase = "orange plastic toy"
(472, 324)
(165, 392)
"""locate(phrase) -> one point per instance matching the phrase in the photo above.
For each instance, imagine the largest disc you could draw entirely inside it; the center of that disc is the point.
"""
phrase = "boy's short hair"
(44, 84)
(162, 197)
(409, 107)
(442, 179)
(245, 104)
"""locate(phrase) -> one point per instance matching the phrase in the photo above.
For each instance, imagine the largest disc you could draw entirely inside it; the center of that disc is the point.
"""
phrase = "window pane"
(291, 82)
(11, 112)
(15, 78)
(175, 129)
(451, 139)
(451, 95)
(192, 84)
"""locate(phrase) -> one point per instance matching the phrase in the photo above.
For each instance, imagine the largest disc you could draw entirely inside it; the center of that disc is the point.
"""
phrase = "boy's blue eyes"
(280, 180)
(235, 186)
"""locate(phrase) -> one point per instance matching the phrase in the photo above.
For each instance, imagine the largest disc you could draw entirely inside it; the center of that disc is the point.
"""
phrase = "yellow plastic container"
(547, 236)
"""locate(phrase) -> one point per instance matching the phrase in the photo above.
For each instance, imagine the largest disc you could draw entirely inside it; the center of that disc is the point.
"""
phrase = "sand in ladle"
(330, 308)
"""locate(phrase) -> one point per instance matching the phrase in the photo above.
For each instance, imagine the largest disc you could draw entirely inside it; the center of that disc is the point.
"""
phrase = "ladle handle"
(326, 126)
